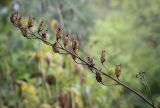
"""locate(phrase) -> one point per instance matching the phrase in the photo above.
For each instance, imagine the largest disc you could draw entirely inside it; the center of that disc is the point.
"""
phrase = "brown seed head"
(30, 22)
(55, 47)
(90, 61)
(44, 35)
(59, 32)
(103, 56)
(118, 70)
(98, 76)
(74, 44)
(24, 31)
(65, 41)
(19, 22)
(40, 27)
(14, 17)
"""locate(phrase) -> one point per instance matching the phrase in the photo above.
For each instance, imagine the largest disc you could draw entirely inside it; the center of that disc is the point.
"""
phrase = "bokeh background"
(129, 31)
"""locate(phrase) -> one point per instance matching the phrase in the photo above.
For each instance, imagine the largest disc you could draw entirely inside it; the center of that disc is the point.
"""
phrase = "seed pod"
(24, 31)
(74, 44)
(44, 35)
(30, 22)
(19, 22)
(14, 17)
(65, 41)
(98, 76)
(55, 47)
(40, 27)
(118, 70)
(90, 61)
(103, 56)
(59, 32)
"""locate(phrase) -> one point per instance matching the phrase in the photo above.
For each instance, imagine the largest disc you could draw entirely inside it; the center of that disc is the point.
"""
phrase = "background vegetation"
(128, 31)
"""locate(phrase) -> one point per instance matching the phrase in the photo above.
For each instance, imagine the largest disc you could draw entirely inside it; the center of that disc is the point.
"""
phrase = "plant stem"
(102, 72)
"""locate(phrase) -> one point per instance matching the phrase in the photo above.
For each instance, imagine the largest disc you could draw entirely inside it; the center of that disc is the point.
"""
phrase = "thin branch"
(114, 79)
(91, 65)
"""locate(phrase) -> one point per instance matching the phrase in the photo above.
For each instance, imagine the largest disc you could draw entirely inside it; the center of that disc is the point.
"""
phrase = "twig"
(90, 63)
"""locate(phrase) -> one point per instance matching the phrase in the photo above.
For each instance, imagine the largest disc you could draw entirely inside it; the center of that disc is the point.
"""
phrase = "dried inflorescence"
(118, 71)
(70, 46)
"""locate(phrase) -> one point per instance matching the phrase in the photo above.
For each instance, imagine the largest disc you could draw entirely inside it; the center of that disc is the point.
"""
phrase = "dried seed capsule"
(40, 27)
(118, 70)
(55, 47)
(90, 61)
(59, 32)
(24, 31)
(19, 22)
(103, 56)
(30, 22)
(74, 44)
(65, 41)
(44, 35)
(98, 76)
(14, 17)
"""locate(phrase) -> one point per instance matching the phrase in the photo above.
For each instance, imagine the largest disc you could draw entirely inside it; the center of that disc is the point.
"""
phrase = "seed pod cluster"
(118, 70)
(18, 21)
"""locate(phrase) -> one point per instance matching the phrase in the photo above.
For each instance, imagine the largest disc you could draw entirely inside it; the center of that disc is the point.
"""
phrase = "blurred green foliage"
(127, 30)
(130, 36)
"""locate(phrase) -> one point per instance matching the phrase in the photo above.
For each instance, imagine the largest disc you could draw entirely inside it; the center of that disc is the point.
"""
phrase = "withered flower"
(24, 31)
(118, 70)
(103, 56)
(74, 44)
(14, 17)
(19, 22)
(65, 41)
(98, 76)
(90, 61)
(55, 47)
(30, 22)
(59, 32)
(40, 27)
(44, 35)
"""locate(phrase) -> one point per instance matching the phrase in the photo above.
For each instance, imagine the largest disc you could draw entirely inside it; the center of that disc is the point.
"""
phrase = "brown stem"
(102, 72)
